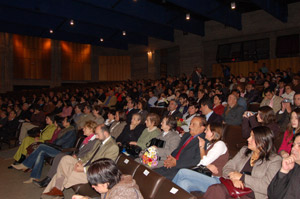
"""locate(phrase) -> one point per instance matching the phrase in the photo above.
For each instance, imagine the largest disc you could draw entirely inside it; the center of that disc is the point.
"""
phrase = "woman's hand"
(79, 197)
(133, 143)
(247, 114)
(284, 154)
(201, 142)
(213, 168)
(238, 184)
(235, 175)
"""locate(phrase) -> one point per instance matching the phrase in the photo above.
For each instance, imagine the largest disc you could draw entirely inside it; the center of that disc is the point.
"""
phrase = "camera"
(287, 101)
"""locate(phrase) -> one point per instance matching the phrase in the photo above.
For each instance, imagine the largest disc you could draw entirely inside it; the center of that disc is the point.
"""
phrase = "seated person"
(293, 128)
(285, 184)
(65, 139)
(254, 166)
(207, 110)
(150, 132)
(37, 120)
(107, 179)
(97, 110)
(214, 159)
(218, 107)
(264, 117)
(171, 138)
(233, 112)
(72, 171)
(10, 127)
(118, 124)
(189, 115)
(132, 131)
(85, 147)
(45, 134)
(271, 100)
(187, 154)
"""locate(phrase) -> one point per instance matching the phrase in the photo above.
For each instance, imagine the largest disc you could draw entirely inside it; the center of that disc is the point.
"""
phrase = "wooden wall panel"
(114, 68)
(75, 61)
(31, 57)
(244, 68)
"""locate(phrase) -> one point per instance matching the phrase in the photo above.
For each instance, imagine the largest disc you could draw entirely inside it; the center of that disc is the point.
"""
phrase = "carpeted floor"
(12, 186)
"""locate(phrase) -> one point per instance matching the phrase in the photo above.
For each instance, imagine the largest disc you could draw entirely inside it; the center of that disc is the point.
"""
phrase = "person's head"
(78, 109)
(142, 105)
(103, 175)
(97, 110)
(152, 120)
(261, 141)
(87, 109)
(193, 108)
(25, 106)
(89, 128)
(36, 109)
(232, 100)
(236, 93)
(214, 132)
(218, 100)
(12, 115)
(183, 98)
(200, 93)
(288, 88)
(295, 120)
(168, 123)
(267, 84)
(136, 119)
(297, 99)
(206, 106)
(66, 122)
(102, 132)
(120, 116)
(130, 104)
(249, 87)
(67, 103)
(111, 92)
(151, 94)
(266, 115)
(111, 114)
(197, 125)
(50, 119)
(173, 105)
(269, 93)
(296, 80)
(296, 147)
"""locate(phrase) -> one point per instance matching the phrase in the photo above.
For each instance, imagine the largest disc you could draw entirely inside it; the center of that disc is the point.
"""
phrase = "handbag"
(233, 191)
(133, 150)
(32, 147)
(202, 169)
(156, 142)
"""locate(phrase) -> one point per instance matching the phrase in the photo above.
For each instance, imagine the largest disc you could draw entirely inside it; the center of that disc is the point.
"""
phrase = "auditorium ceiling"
(117, 23)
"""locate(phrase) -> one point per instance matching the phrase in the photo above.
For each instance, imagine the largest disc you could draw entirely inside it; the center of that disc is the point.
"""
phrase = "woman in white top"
(189, 115)
(214, 158)
(289, 93)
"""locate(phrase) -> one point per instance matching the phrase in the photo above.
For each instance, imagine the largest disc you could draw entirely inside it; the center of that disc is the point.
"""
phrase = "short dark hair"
(269, 89)
(267, 115)
(122, 116)
(103, 171)
(183, 95)
(208, 102)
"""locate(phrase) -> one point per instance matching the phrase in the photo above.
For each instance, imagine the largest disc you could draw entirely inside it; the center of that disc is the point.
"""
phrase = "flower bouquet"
(150, 157)
(180, 122)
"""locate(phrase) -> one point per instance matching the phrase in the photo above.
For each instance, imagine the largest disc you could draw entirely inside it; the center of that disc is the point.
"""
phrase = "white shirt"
(219, 148)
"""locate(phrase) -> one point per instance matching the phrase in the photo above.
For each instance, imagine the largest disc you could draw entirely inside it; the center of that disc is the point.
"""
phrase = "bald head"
(232, 100)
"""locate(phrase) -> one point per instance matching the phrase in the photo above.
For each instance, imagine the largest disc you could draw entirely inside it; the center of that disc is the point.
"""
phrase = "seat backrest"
(148, 180)
(126, 164)
(169, 190)
(85, 190)
(232, 136)
(253, 107)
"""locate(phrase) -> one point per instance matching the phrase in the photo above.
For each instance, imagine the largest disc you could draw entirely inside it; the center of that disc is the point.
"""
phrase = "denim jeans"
(36, 159)
(191, 180)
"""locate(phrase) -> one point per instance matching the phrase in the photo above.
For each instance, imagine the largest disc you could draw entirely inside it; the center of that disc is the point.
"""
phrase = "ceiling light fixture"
(51, 31)
(233, 5)
(187, 16)
(72, 22)
(101, 39)
(124, 33)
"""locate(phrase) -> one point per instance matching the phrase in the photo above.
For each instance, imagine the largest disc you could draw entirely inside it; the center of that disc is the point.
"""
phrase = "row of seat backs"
(152, 185)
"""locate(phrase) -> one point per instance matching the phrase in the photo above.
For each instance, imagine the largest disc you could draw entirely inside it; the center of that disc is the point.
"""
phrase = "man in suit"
(72, 171)
(110, 101)
(187, 154)
(271, 100)
(252, 95)
(207, 110)
(233, 112)
(130, 110)
(172, 110)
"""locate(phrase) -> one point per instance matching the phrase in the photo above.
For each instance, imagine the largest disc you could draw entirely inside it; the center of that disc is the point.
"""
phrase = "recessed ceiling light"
(188, 16)
(101, 39)
(233, 6)
(72, 22)
(51, 31)
(124, 33)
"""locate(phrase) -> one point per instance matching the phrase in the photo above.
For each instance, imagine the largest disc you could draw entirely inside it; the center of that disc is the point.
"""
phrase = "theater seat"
(169, 190)
(232, 136)
(126, 164)
(86, 190)
(149, 181)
